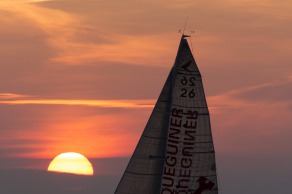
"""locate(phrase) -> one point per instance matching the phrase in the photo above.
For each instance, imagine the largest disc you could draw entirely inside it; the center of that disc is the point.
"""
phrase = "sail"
(175, 154)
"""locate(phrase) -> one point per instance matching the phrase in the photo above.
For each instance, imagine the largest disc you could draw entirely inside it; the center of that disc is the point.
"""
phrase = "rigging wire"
(185, 25)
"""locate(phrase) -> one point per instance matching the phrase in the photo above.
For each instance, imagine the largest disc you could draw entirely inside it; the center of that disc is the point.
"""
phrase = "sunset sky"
(84, 75)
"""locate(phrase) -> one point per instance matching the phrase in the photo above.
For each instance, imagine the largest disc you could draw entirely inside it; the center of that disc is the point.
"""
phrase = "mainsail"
(175, 154)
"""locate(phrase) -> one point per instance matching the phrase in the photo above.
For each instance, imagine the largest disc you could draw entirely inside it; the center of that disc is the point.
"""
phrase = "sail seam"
(161, 174)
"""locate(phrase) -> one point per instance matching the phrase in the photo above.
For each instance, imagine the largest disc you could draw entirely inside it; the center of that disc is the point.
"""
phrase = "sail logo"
(180, 148)
(204, 184)
(185, 66)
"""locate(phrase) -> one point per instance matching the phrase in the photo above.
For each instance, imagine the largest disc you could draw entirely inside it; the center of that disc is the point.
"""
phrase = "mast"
(175, 154)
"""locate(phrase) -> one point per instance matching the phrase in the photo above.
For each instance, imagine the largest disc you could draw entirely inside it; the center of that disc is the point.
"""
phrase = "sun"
(71, 162)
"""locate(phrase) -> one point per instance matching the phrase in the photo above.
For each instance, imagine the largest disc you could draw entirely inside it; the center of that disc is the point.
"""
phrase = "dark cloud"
(18, 150)
(34, 181)
(24, 163)
(19, 142)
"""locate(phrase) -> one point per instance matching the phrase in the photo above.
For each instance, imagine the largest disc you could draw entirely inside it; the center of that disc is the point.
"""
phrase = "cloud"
(96, 103)
(103, 32)
(11, 96)
(90, 81)
(38, 1)
(19, 150)
(57, 56)
(275, 91)
(259, 115)
(36, 181)
(53, 129)
(76, 41)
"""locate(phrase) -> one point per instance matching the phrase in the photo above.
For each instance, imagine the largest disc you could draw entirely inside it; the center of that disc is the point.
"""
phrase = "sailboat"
(175, 154)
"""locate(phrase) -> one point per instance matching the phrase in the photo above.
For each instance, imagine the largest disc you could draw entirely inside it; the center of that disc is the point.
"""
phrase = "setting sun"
(71, 162)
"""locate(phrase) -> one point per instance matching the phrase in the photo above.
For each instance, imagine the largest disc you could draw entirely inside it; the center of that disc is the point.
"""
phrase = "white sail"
(175, 154)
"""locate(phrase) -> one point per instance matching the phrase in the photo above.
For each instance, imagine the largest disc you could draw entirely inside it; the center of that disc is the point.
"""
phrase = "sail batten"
(175, 154)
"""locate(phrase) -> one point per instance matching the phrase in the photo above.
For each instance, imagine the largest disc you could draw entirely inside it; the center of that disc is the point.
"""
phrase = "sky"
(84, 75)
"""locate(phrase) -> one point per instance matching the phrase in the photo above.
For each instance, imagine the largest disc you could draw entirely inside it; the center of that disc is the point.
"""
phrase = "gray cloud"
(33, 181)
(16, 150)
(274, 92)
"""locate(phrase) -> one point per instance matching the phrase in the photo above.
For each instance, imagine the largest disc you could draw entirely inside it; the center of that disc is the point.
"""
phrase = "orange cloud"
(64, 129)
(97, 103)
(12, 96)
(63, 30)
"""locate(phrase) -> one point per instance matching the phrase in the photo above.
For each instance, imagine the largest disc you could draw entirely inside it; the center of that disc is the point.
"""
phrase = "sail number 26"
(187, 82)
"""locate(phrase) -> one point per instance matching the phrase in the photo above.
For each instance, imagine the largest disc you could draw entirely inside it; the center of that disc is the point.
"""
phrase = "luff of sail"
(175, 154)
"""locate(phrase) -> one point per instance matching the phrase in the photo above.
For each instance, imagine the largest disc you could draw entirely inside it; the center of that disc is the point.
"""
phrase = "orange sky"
(83, 76)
